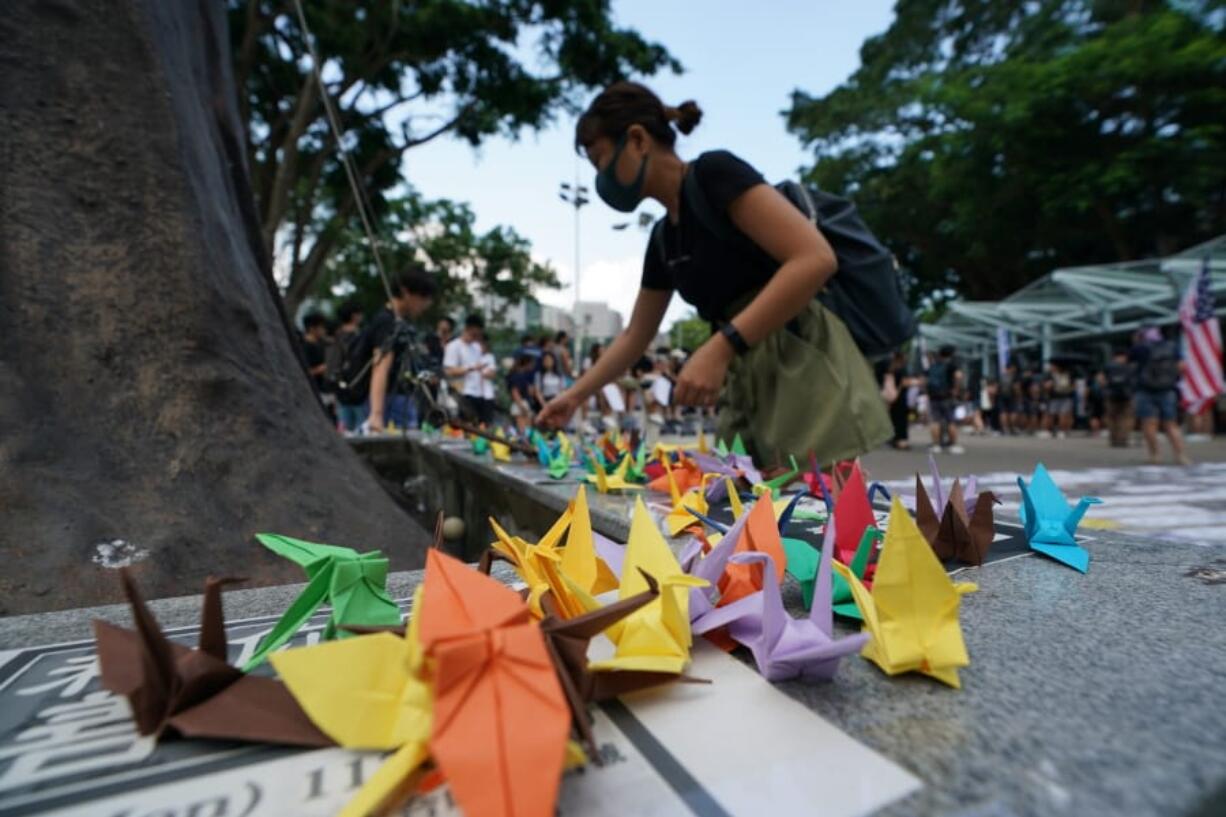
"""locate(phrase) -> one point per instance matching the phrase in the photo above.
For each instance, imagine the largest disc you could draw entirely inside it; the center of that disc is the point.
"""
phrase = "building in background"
(600, 322)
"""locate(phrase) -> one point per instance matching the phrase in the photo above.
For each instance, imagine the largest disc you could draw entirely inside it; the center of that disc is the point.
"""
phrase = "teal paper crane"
(1050, 522)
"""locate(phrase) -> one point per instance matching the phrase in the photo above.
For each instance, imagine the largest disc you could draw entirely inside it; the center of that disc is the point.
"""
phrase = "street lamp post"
(576, 196)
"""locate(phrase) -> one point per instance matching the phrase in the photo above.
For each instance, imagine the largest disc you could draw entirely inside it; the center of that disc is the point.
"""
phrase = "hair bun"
(685, 116)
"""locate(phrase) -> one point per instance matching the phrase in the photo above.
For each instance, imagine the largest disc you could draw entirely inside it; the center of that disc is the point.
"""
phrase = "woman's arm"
(805, 257)
(806, 262)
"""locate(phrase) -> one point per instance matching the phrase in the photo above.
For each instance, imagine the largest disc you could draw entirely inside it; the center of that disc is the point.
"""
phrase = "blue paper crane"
(1050, 522)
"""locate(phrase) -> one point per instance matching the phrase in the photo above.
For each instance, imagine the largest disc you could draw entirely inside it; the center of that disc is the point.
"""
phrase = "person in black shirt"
(412, 293)
(787, 373)
(315, 347)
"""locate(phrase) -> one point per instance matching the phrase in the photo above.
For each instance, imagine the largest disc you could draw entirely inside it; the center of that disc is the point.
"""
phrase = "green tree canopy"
(473, 268)
(990, 141)
(401, 73)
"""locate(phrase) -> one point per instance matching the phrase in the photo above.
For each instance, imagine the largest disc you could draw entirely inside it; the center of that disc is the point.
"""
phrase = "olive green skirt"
(805, 388)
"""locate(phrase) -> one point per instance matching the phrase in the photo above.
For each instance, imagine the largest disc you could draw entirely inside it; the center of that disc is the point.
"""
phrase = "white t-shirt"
(488, 366)
(550, 384)
(461, 353)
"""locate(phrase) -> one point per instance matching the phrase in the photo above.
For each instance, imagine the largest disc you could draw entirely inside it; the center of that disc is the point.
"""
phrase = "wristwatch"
(729, 331)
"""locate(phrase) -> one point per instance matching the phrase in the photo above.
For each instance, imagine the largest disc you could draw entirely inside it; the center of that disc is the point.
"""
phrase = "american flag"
(1202, 337)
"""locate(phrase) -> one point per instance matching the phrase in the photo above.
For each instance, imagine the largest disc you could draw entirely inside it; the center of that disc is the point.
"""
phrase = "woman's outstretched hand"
(557, 412)
(703, 374)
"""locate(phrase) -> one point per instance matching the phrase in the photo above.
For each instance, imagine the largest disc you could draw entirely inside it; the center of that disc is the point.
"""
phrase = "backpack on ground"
(1161, 370)
(865, 292)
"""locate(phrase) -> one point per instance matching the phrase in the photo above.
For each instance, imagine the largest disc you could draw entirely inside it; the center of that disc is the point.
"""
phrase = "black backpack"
(352, 366)
(1161, 370)
(1119, 380)
(938, 380)
(865, 293)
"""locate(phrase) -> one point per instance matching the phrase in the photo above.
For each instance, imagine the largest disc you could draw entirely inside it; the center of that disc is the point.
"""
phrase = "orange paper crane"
(760, 535)
(500, 718)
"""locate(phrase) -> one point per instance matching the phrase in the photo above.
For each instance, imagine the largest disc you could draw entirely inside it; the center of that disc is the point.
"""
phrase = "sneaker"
(609, 422)
(656, 417)
(956, 449)
(935, 449)
(1042, 434)
(1060, 435)
(1183, 460)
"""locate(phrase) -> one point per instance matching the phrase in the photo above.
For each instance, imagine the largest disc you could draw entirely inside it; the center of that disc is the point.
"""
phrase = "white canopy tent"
(1074, 307)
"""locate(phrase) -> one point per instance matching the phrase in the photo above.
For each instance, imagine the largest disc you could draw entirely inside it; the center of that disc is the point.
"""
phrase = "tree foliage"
(401, 73)
(990, 141)
(473, 269)
(689, 333)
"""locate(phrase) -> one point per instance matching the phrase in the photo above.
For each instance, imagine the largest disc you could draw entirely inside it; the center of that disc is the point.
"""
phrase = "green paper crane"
(803, 561)
(354, 584)
(738, 446)
(480, 446)
(778, 482)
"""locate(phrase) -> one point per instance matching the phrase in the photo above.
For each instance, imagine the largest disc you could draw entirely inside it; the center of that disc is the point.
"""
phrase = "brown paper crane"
(956, 535)
(195, 693)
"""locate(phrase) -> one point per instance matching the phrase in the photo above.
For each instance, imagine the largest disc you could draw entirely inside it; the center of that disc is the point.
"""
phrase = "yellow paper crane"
(680, 518)
(655, 638)
(579, 560)
(500, 450)
(380, 701)
(543, 565)
(912, 610)
(615, 481)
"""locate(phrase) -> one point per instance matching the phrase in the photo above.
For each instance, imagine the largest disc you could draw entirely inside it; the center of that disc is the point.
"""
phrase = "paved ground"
(1160, 502)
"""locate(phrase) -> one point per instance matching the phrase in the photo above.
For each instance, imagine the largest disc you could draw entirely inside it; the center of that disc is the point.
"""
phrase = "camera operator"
(412, 293)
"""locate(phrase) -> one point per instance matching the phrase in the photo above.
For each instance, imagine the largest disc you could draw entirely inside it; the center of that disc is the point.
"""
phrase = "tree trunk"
(149, 391)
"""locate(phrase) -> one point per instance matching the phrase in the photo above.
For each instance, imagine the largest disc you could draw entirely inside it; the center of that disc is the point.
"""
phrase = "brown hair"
(623, 104)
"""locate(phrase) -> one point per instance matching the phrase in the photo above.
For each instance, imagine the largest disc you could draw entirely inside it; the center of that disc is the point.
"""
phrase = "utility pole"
(576, 196)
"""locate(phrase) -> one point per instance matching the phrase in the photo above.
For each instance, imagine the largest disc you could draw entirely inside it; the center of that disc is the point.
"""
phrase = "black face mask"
(621, 197)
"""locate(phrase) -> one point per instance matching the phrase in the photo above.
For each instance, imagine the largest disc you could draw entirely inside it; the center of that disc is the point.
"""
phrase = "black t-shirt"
(379, 332)
(315, 353)
(709, 273)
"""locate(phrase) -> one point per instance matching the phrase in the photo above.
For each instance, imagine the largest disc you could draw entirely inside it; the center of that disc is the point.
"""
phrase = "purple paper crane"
(784, 647)
(734, 465)
(710, 567)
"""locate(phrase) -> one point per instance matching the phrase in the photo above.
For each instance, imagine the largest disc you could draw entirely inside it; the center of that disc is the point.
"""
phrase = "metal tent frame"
(1076, 306)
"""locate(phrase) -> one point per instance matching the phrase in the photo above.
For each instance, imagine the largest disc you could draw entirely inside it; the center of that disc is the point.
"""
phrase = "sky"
(741, 66)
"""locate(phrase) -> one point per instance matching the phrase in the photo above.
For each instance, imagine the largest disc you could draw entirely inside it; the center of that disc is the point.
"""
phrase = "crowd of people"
(1136, 389)
(358, 363)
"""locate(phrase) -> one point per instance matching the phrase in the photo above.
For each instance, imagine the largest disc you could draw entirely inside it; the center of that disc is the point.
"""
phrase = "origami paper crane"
(580, 562)
(761, 535)
(480, 445)
(680, 517)
(354, 584)
(776, 484)
(605, 481)
(784, 647)
(567, 641)
(501, 720)
(955, 535)
(804, 561)
(912, 610)
(685, 474)
(195, 693)
(501, 451)
(1050, 522)
(554, 575)
(656, 637)
(939, 496)
(382, 700)
(852, 513)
